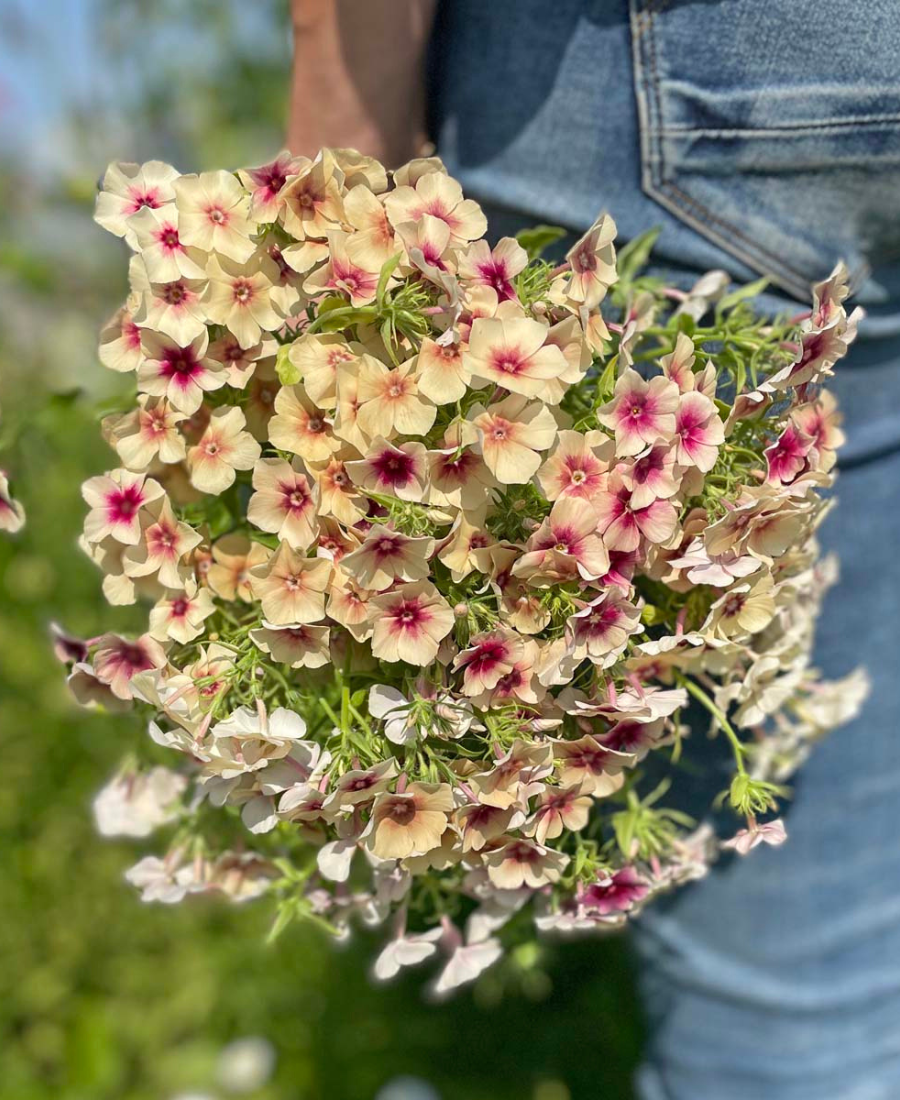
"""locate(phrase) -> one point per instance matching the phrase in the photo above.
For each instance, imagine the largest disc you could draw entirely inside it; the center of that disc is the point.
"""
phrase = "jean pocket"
(780, 147)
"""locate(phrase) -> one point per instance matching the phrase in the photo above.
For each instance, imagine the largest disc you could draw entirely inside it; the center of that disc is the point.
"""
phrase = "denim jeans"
(763, 136)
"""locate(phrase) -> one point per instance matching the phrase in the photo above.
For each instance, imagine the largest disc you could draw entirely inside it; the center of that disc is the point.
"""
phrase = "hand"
(358, 76)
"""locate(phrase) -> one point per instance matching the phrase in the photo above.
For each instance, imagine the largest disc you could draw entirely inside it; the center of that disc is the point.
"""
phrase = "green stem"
(700, 695)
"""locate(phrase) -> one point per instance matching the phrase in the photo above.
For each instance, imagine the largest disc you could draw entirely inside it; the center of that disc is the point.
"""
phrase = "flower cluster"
(441, 542)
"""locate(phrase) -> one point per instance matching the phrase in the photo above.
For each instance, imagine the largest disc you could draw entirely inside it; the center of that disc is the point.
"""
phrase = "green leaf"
(387, 270)
(288, 373)
(607, 381)
(634, 255)
(751, 290)
(624, 824)
(538, 238)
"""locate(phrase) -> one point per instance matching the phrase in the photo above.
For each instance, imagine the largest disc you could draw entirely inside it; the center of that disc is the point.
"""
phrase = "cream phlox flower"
(223, 449)
(213, 214)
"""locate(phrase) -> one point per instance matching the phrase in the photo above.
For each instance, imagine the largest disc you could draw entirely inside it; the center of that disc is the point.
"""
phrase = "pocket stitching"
(682, 204)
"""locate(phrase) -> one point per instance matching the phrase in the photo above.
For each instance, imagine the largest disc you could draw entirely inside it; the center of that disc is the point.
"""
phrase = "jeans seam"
(879, 121)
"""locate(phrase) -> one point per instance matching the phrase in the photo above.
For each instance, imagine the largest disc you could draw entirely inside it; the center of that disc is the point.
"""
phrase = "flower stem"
(700, 695)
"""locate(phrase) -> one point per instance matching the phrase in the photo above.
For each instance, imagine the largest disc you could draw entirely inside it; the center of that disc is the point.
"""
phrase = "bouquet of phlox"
(441, 541)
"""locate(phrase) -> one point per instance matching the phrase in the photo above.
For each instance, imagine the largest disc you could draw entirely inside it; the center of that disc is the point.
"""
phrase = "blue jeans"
(764, 137)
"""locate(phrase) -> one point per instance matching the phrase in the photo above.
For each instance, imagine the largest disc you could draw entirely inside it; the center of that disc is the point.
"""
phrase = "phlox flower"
(181, 374)
(167, 881)
(353, 268)
(719, 571)
(175, 308)
(519, 863)
(360, 170)
(678, 366)
(399, 471)
(250, 739)
(284, 502)
(653, 475)
(228, 574)
(480, 824)
(317, 358)
(239, 297)
(286, 293)
(389, 401)
(457, 474)
(635, 738)
(120, 341)
(641, 413)
(162, 547)
(116, 501)
(366, 214)
(820, 420)
(461, 549)
(359, 786)
(587, 764)
(569, 336)
(523, 763)
(213, 214)
(180, 615)
(312, 198)
(760, 522)
(291, 588)
(560, 809)
(337, 493)
(408, 822)
(165, 254)
(623, 525)
(128, 188)
(618, 893)
(428, 247)
(266, 182)
(593, 262)
(300, 427)
(117, 659)
(600, 631)
(223, 449)
(441, 372)
(240, 363)
(349, 606)
(745, 840)
(496, 268)
(577, 466)
(466, 963)
(408, 949)
(520, 685)
(410, 622)
(788, 456)
(512, 354)
(565, 547)
(512, 433)
(135, 803)
(440, 197)
(387, 555)
(295, 644)
(487, 658)
(699, 431)
(743, 609)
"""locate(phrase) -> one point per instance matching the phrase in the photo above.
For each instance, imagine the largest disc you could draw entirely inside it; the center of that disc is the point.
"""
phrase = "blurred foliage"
(102, 998)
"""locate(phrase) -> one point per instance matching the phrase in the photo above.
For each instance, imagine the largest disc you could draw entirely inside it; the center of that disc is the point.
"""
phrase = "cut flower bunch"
(441, 541)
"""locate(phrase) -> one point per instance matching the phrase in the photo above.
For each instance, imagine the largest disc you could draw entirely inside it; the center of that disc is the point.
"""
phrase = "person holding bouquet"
(765, 140)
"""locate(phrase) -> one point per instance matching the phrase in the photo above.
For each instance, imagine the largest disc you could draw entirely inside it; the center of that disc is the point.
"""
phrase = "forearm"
(358, 76)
